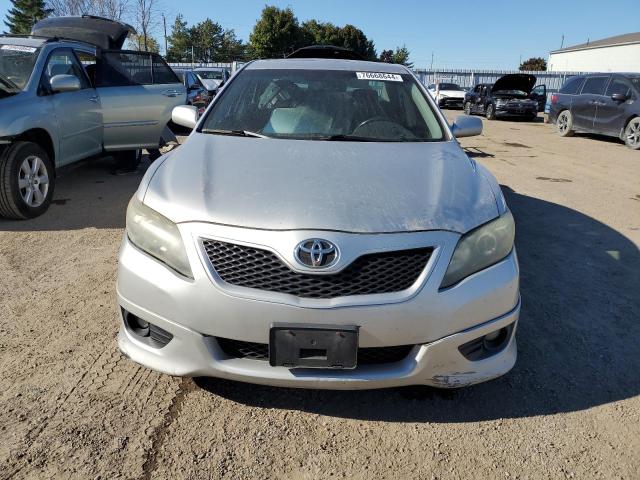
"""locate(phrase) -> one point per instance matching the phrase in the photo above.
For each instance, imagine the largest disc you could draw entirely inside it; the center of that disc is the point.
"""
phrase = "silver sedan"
(321, 228)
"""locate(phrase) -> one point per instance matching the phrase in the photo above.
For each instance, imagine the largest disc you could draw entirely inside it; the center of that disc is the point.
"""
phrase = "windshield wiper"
(8, 83)
(233, 133)
(350, 138)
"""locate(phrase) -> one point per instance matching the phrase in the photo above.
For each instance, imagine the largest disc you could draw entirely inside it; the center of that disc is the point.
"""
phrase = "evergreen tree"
(24, 15)
(179, 41)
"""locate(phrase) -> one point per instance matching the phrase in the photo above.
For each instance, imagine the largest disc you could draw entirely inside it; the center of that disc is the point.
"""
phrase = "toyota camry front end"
(322, 228)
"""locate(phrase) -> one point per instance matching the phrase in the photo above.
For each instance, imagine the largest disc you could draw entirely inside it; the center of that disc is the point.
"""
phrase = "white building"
(614, 54)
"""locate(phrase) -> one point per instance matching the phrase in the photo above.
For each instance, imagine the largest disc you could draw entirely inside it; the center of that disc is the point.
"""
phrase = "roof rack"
(326, 51)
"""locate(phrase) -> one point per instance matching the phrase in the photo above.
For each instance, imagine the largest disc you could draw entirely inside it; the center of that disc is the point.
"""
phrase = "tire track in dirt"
(159, 435)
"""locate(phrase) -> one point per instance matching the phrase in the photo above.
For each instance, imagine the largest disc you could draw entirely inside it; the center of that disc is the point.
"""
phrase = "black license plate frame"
(293, 345)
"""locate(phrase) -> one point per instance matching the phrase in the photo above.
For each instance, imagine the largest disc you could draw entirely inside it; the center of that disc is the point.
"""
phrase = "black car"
(605, 103)
(197, 94)
(512, 95)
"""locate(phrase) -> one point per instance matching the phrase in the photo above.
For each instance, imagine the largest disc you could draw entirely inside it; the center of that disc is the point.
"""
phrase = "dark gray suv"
(604, 103)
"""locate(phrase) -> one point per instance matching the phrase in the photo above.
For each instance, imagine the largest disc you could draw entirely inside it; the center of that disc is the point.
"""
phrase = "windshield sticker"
(18, 48)
(388, 77)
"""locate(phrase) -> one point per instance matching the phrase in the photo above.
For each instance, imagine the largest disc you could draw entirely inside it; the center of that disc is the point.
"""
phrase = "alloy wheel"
(633, 133)
(33, 181)
(563, 123)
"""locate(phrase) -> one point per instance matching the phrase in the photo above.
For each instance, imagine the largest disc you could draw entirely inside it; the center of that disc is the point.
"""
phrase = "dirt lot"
(72, 407)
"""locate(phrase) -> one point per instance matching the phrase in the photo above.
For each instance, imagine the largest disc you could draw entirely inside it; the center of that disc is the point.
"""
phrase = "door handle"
(94, 99)
(171, 93)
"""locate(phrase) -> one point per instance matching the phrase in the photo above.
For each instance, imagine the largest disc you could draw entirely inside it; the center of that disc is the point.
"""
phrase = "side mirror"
(619, 97)
(64, 83)
(466, 126)
(185, 116)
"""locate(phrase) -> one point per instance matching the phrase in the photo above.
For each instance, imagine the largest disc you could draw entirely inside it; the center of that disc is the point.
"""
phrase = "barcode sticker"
(18, 48)
(387, 77)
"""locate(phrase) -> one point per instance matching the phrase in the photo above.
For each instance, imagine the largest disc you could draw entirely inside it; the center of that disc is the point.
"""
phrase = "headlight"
(156, 235)
(480, 249)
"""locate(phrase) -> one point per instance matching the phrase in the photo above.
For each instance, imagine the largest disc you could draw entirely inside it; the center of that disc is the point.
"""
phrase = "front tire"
(490, 112)
(26, 181)
(467, 108)
(564, 124)
(632, 134)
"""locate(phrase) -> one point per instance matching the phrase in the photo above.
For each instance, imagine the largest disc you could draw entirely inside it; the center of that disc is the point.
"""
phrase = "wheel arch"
(626, 122)
(42, 138)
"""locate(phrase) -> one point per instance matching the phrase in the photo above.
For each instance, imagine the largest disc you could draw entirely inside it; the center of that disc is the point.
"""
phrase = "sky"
(456, 34)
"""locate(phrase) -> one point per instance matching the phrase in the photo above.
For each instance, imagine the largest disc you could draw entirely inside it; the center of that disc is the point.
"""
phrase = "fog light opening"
(487, 345)
(137, 325)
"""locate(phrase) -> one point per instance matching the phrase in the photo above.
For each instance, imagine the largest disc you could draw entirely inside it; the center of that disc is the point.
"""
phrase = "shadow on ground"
(89, 195)
(578, 337)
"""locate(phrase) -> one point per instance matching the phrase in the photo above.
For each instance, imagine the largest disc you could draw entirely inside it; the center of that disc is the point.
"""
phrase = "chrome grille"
(374, 273)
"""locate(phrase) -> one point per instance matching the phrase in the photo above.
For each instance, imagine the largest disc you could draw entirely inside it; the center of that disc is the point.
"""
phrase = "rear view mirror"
(64, 83)
(466, 126)
(619, 97)
(185, 116)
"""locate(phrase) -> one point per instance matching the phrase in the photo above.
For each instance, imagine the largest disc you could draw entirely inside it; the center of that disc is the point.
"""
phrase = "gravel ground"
(72, 407)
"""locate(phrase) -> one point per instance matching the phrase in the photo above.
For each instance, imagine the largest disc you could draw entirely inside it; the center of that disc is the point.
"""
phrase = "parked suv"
(64, 100)
(512, 95)
(601, 103)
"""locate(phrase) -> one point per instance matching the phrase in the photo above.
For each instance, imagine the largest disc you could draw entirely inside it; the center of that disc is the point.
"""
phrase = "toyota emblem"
(316, 253)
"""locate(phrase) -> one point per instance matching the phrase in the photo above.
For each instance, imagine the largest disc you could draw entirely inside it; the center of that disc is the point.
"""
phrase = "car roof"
(326, 64)
(204, 69)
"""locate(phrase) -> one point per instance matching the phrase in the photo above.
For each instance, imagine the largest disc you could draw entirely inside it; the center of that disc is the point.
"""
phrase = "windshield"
(210, 74)
(16, 65)
(325, 105)
(450, 86)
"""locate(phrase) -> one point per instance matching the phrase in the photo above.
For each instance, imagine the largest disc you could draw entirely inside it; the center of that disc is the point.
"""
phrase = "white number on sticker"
(387, 77)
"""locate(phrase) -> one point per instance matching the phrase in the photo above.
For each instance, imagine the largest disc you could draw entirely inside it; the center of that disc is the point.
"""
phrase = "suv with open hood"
(512, 95)
(68, 93)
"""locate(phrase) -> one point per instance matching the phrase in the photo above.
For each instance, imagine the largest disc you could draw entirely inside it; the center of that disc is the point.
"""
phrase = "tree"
(534, 64)
(24, 15)
(354, 39)
(145, 15)
(275, 34)
(386, 56)
(113, 9)
(179, 41)
(231, 49)
(136, 42)
(206, 37)
(401, 56)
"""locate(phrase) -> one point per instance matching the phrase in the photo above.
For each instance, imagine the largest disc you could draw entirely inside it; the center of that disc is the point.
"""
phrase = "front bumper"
(435, 322)
(508, 111)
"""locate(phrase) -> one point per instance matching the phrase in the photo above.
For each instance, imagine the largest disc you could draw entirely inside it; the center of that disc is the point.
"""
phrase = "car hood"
(515, 81)
(316, 185)
(210, 83)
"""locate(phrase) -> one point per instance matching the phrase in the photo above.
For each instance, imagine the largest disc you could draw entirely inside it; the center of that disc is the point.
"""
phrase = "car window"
(618, 85)
(16, 65)
(210, 74)
(594, 85)
(318, 104)
(162, 73)
(63, 62)
(88, 62)
(121, 69)
(572, 86)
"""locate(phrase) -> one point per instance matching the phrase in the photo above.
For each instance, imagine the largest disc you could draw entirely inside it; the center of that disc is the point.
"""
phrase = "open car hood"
(515, 81)
(98, 31)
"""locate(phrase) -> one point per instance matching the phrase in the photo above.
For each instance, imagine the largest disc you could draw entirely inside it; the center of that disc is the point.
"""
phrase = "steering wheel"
(377, 118)
(385, 128)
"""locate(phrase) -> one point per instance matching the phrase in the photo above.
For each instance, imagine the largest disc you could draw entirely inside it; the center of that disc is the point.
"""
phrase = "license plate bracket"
(313, 346)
